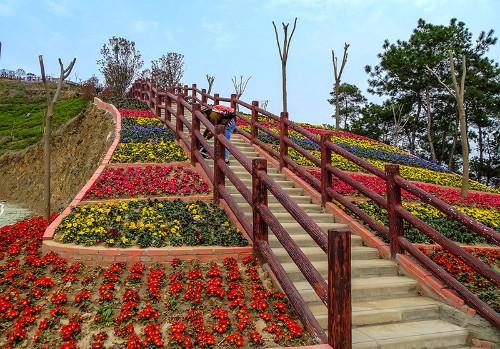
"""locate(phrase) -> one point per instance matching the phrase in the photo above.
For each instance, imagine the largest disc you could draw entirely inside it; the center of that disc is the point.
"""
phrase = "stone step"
(431, 334)
(247, 180)
(299, 199)
(302, 239)
(368, 288)
(276, 207)
(385, 311)
(315, 253)
(290, 190)
(359, 268)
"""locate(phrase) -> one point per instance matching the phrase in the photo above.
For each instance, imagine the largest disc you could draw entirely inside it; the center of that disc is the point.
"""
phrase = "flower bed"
(378, 154)
(149, 223)
(146, 181)
(483, 288)
(46, 302)
(448, 195)
(159, 152)
(454, 230)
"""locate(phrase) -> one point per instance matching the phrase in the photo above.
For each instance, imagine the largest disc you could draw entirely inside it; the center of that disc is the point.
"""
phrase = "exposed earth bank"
(78, 148)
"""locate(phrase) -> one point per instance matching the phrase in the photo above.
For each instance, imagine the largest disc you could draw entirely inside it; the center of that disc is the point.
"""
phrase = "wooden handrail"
(397, 213)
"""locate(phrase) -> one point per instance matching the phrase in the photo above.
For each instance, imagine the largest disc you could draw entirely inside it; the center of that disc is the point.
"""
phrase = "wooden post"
(216, 99)
(339, 289)
(219, 177)
(168, 104)
(158, 104)
(253, 122)
(180, 112)
(195, 122)
(233, 101)
(186, 89)
(326, 176)
(259, 197)
(203, 97)
(393, 201)
(193, 93)
(283, 135)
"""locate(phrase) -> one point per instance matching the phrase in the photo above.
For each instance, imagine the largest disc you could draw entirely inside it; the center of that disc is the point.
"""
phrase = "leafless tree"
(399, 123)
(239, 87)
(210, 80)
(458, 93)
(284, 56)
(51, 101)
(168, 70)
(338, 74)
(263, 104)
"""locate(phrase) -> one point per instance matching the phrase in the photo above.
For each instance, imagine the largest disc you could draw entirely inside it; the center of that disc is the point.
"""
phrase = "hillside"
(77, 149)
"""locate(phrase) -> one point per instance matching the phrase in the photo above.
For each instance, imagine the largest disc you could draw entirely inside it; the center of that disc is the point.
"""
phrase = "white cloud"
(144, 25)
(8, 7)
(217, 34)
(58, 7)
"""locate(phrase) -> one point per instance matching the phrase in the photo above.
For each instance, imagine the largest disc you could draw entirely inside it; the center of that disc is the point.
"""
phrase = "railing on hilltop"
(336, 298)
(186, 97)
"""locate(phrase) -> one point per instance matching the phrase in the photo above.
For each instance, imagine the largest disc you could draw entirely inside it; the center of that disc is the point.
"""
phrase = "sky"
(232, 38)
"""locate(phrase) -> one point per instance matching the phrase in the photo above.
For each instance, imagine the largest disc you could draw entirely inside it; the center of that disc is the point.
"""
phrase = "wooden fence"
(191, 99)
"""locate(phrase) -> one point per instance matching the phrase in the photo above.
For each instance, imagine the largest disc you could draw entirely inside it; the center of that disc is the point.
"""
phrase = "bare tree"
(284, 56)
(399, 123)
(337, 74)
(168, 70)
(263, 104)
(120, 64)
(458, 93)
(210, 80)
(51, 101)
(239, 87)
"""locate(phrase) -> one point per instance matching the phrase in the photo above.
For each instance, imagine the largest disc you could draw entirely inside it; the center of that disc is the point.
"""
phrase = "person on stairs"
(219, 115)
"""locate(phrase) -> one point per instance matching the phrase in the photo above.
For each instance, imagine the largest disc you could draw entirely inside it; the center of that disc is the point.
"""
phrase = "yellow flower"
(124, 239)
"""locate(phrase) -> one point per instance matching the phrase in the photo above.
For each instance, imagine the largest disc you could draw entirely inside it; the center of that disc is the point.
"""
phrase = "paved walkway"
(10, 214)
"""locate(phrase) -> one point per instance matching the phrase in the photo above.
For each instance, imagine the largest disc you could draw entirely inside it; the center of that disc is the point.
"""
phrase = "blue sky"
(230, 38)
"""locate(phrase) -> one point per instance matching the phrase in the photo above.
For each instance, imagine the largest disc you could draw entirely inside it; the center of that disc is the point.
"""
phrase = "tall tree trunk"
(46, 159)
(451, 163)
(414, 128)
(480, 146)
(51, 101)
(459, 96)
(337, 75)
(284, 56)
(430, 131)
(283, 86)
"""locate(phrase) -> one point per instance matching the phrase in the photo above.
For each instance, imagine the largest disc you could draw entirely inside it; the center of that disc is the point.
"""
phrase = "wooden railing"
(190, 98)
(335, 300)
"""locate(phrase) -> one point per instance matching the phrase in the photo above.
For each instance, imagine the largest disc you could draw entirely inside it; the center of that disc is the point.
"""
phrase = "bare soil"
(78, 148)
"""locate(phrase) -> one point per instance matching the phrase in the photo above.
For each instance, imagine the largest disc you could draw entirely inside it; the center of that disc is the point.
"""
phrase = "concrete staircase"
(387, 310)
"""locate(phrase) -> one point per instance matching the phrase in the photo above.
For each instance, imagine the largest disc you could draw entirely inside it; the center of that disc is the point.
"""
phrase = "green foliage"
(120, 64)
(404, 76)
(22, 113)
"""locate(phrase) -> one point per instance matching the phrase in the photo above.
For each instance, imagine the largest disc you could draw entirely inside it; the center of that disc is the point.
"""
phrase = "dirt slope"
(77, 150)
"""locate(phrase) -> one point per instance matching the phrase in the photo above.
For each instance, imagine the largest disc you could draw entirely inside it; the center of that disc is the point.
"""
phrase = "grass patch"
(23, 108)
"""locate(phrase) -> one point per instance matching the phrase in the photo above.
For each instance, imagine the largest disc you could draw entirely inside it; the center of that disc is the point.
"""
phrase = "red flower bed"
(485, 289)
(46, 302)
(147, 181)
(136, 113)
